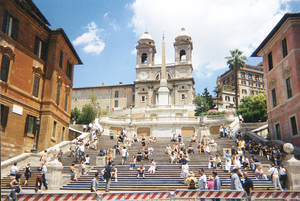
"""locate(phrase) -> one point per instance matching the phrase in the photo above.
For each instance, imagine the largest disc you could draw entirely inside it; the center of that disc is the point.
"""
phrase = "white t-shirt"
(150, 149)
(185, 167)
(14, 169)
(124, 152)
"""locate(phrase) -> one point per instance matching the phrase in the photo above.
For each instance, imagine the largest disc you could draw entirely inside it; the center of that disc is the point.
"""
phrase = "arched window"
(116, 103)
(182, 55)
(169, 76)
(116, 94)
(157, 77)
(144, 58)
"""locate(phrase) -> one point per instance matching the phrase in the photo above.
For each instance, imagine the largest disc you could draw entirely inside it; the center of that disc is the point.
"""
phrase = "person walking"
(202, 181)
(94, 183)
(107, 176)
(13, 171)
(16, 187)
(43, 173)
(282, 176)
(27, 173)
(235, 180)
(247, 184)
(217, 183)
(275, 177)
(124, 154)
(111, 135)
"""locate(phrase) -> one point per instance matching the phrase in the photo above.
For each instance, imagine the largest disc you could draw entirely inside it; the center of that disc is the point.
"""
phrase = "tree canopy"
(254, 109)
(207, 100)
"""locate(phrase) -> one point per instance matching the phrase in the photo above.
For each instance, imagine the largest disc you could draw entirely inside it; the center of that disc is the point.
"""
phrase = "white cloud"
(215, 26)
(91, 39)
(111, 22)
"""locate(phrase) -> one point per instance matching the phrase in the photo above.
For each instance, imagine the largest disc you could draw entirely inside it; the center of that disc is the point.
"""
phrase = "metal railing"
(161, 195)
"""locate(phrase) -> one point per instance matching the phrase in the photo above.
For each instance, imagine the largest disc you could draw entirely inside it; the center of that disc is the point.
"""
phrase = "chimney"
(120, 83)
(102, 83)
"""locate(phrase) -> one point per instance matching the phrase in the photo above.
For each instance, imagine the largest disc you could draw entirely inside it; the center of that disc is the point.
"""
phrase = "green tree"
(208, 98)
(254, 109)
(198, 100)
(218, 91)
(87, 115)
(235, 62)
(75, 113)
(93, 98)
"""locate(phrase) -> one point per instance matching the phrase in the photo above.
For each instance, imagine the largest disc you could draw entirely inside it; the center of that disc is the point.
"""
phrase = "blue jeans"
(132, 165)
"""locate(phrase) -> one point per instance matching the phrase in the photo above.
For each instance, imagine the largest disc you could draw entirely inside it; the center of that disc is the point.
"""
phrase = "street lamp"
(130, 125)
(202, 107)
(37, 124)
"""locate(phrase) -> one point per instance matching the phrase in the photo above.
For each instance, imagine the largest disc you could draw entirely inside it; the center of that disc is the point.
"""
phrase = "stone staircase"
(167, 177)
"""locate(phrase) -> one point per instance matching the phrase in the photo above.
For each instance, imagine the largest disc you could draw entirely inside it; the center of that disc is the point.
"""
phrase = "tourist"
(245, 162)
(181, 145)
(207, 148)
(236, 160)
(275, 177)
(184, 171)
(84, 127)
(38, 183)
(83, 168)
(141, 171)
(202, 181)
(253, 162)
(87, 159)
(240, 154)
(168, 150)
(174, 138)
(43, 173)
(27, 173)
(44, 157)
(114, 173)
(150, 150)
(235, 180)
(117, 148)
(144, 143)
(282, 176)
(232, 132)
(150, 140)
(241, 118)
(247, 184)
(13, 171)
(155, 140)
(211, 162)
(218, 162)
(217, 182)
(241, 145)
(210, 183)
(81, 148)
(101, 152)
(221, 131)
(108, 157)
(179, 138)
(191, 149)
(191, 181)
(107, 176)
(77, 154)
(73, 172)
(132, 162)
(193, 139)
(259, 173)
(139, 156)
(232, 150)
(124, 156)
(225, 132)
(72, 149)
(152, 167)
(90, 127)
(128, 144)
(134, 139)
(111, 135)
(173, 157)
(146, 154)
(15, 184)
(94, 183)
(228, 161)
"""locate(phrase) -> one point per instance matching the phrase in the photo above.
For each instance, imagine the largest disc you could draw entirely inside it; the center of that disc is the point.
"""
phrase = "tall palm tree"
(218, 91)
(235, 62)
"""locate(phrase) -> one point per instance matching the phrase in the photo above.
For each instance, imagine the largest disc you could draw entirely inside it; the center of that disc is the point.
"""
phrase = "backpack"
(107, 173)
(192, 184)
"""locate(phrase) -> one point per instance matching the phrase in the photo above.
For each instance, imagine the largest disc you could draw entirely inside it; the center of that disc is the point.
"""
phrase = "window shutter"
(26, 124)
(44, 51)
(4, 115)
(36, 45)
(4, 22)
(15, 26)
(36, 86)
(5, 68)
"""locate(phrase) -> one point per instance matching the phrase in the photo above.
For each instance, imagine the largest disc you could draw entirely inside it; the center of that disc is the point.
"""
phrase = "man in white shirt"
(275, 177)
(202, 181)
(13, 171)
(150, 149)
(114, 173)
(124, 155)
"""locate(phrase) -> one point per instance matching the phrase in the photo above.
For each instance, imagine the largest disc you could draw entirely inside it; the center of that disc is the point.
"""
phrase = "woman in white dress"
(237, 162)
(228, 161)
(185, 171)
(152, 166)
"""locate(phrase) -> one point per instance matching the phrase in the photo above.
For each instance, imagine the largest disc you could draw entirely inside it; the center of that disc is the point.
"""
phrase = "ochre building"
(37, 66)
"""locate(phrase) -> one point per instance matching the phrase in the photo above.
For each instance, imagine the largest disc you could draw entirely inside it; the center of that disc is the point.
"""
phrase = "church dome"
(146, 35)
(183, 32)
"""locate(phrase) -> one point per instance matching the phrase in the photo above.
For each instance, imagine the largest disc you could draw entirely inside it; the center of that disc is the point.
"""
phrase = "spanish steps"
(166, 178)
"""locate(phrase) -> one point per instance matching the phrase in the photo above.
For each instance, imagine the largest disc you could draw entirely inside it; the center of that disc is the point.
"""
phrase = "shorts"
(185, 173)
(111, 137)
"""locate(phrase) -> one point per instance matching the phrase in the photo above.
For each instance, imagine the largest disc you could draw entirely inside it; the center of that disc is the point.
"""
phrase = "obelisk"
(163, 91)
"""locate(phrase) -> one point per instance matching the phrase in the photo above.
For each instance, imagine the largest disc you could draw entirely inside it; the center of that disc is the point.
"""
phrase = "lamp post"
(37, 124)
(202, 107)
(130, 125)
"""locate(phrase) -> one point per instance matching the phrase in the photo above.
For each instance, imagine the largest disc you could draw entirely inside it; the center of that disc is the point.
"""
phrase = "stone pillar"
(292, 168)
(130, 133)
(54, 174)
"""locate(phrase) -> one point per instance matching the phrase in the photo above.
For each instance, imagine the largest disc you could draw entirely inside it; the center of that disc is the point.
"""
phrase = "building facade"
(36, 79)
(109, 97)
(250, 82)
(179, 75)
(281, 62)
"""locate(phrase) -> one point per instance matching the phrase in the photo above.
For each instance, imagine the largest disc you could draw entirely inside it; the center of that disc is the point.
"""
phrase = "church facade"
(179, 75)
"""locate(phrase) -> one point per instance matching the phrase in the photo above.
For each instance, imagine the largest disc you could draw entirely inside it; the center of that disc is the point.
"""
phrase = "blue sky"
(105, 32)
